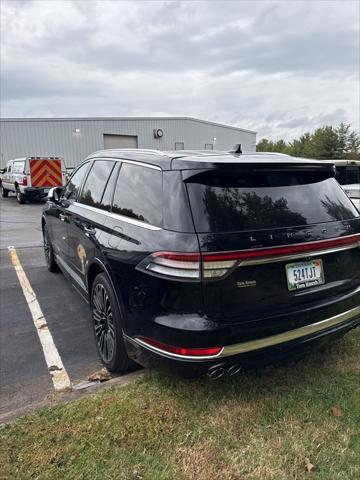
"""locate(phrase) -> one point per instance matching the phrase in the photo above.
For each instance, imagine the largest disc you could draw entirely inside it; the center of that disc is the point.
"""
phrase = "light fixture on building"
(77, 130)
(158, 133)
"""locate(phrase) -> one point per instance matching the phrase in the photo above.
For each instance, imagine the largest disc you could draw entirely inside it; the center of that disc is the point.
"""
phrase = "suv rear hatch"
(275, 240)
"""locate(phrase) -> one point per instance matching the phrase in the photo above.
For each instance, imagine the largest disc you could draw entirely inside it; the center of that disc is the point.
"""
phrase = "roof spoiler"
(236, 148)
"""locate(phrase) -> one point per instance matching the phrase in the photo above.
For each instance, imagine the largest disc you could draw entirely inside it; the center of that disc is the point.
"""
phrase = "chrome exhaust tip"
(234, 369)
(216, 373)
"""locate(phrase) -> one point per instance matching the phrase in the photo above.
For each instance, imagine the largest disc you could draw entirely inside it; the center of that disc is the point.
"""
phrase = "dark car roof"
(198, 159)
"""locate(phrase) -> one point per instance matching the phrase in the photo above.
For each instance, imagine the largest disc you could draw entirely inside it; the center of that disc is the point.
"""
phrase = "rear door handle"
(89, 231)
(63, 217)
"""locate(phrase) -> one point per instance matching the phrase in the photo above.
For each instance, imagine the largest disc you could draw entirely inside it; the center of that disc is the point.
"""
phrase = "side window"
(109, 189)
(341, 175)
(95, 183)
(209, 146)
(352, 175)
(73, 185)
(138, 194)
(9, 168)
(18, 167)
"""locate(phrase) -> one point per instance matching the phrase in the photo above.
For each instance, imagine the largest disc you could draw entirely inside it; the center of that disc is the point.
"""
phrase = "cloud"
(280, 68)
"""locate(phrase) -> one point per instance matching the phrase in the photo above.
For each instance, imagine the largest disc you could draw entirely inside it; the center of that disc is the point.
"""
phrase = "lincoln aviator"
(206, 262)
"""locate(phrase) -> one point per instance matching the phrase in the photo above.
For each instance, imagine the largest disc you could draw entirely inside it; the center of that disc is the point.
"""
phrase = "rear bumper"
(249, 353)
(34, 192)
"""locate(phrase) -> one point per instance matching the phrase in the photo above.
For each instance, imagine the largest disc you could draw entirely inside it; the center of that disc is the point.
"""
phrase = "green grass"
(257, 425)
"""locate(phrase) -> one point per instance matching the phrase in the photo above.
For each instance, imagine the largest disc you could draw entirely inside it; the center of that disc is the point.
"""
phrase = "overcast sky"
(281, 68)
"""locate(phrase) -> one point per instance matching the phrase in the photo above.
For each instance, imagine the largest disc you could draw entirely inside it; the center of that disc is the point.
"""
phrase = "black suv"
(206, 262)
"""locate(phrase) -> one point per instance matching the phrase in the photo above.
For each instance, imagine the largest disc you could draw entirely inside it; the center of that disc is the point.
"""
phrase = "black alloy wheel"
(107, 327)
(49, 252)
(103, 322)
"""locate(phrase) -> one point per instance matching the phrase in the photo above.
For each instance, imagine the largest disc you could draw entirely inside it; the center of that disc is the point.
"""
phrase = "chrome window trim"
(260, 343)
(133, 221)
(123, 160)
(89, 207)
(117, 216)
(141, 164)
(295, 256)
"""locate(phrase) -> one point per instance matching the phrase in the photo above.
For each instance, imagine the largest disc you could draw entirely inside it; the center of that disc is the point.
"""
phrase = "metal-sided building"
(75, 138)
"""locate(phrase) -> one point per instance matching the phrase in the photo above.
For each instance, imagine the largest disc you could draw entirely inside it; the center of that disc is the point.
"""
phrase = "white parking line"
(53, 360)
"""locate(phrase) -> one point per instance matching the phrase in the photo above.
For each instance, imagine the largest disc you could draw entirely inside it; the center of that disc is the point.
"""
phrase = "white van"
(32, 177)
(348, 175)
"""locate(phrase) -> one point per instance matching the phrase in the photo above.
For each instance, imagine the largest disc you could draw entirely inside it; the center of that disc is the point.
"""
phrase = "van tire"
(20, 197)
(4, 192)
(106, 317)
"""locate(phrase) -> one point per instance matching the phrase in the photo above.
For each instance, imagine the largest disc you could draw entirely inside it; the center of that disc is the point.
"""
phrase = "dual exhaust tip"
(217, 372)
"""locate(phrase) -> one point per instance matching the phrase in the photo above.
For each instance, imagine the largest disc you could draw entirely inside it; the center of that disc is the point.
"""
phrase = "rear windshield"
(235, 201)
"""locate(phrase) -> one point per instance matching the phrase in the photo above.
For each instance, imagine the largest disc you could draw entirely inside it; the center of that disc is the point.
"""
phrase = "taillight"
(173, 265)
(183, 351)
(24, 180)
(194, 266)
(216, 268)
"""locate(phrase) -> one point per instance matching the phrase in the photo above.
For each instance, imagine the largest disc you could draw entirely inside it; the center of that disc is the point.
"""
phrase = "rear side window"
(352, 175)
(96, 182)
(138, 194)
(341, 175)
(348, 175)
(236, 201)
(109, 189)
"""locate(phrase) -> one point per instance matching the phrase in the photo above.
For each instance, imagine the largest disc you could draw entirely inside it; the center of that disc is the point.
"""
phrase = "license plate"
(304, 274)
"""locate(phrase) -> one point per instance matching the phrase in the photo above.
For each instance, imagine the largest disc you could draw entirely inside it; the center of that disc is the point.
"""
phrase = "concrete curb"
(71, 396)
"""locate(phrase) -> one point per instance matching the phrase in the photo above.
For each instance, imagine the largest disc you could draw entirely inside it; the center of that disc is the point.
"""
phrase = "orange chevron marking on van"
(45, 173)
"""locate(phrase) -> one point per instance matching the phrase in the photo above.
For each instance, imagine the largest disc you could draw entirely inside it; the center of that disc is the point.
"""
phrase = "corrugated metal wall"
(74, 139)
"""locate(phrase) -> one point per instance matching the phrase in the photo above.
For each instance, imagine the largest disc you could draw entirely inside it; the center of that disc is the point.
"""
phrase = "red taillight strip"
(285, 250)
(179, 257)
(179, 351)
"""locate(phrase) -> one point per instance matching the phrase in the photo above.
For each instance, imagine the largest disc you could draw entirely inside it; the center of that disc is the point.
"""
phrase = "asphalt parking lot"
(25, 377)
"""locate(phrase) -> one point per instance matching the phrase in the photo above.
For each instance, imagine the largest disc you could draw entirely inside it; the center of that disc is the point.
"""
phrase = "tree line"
(326, 142)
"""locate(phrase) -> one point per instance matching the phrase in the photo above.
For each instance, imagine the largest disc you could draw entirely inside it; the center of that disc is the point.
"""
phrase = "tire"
(20, 197)
(4, 192)
(106, 319)
(51, 264)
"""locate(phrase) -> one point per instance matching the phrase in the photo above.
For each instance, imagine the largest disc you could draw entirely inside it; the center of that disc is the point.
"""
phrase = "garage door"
(120, 141)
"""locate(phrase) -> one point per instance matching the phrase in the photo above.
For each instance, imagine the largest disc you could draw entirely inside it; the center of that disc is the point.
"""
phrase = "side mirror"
(54, 194)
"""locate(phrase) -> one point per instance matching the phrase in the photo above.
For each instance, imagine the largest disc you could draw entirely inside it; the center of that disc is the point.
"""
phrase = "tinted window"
(73, 185)
(352, 175)
(96, 182)
(223, 202)
(138, 194)
(341, 175)
(109, 189)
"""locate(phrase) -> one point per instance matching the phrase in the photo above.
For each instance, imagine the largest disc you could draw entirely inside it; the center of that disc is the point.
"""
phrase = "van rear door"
(46, 172)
